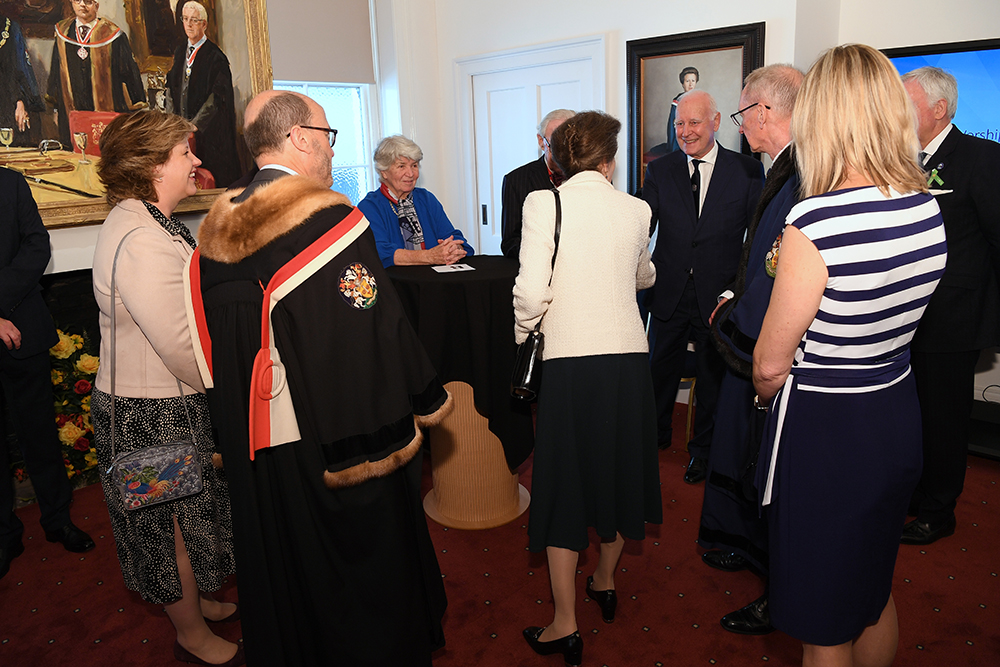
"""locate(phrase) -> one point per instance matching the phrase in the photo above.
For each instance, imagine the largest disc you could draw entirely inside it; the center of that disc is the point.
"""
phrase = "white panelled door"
(507, 107)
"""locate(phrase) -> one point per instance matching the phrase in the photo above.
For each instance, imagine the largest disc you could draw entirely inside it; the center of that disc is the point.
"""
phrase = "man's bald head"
(270, 116)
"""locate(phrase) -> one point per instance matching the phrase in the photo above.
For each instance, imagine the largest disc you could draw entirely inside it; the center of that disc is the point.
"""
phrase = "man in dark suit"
(702, 198)
(26, 334)
(201, 87)
(540, 174)
(732, 528)
(963, 316)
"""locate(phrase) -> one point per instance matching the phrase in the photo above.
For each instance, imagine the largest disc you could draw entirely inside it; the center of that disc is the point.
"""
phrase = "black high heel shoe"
(608, 600)
(571, 646)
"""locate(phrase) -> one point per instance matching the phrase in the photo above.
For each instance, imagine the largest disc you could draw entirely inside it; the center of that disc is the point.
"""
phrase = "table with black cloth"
(465, 320)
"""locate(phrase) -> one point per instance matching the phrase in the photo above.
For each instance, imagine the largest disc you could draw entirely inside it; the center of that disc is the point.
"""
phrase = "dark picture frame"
(723, 57)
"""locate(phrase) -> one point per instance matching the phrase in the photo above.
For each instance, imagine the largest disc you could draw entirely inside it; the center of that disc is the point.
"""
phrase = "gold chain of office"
(5, 34)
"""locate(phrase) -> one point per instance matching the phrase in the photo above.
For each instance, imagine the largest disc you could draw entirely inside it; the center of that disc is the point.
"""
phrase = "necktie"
(83, 32)
(190, 51)
(696, 186)
(923, 158)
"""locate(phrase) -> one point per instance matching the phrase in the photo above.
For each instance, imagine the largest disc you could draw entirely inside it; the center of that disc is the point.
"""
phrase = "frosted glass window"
(346, 107)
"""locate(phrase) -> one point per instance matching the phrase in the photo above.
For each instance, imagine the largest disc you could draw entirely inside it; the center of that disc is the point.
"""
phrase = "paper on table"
(451, 268)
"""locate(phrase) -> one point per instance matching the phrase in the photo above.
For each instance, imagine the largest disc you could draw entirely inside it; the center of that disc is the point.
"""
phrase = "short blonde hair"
(852, 113)
(132, 146)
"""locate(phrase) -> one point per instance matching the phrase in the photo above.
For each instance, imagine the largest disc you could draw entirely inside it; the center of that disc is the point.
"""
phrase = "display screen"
(976, 66)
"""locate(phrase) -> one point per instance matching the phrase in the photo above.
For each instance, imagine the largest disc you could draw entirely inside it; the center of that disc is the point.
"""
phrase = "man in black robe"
(314, 378)
(92, 68)
(19, 97)
(201, 86)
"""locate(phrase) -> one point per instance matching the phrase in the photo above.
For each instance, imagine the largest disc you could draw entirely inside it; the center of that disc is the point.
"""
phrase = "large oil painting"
(54, 138)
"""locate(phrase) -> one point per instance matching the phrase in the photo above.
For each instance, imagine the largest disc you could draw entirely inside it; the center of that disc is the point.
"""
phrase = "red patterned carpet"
(58, 608)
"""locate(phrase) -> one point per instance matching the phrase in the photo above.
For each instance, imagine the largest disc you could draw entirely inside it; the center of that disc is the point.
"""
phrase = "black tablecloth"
(466, 322)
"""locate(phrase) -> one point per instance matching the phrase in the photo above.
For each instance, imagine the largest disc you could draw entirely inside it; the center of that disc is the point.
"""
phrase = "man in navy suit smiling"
(702, 198)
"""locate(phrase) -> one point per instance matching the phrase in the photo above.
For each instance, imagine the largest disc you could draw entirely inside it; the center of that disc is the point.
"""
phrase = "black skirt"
(596, 461)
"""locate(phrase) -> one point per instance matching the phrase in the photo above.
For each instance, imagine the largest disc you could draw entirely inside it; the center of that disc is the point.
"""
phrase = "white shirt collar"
(280, 167)
(199, 42)
(932, 147)
(784, 148)
(710, 156)
(91, 24)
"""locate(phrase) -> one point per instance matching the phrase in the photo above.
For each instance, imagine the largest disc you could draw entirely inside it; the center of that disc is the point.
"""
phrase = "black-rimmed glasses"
(738, 116)
(332, 133)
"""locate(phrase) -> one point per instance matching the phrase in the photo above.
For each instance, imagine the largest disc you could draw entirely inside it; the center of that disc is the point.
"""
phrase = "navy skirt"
(595, 463)
(846, 467)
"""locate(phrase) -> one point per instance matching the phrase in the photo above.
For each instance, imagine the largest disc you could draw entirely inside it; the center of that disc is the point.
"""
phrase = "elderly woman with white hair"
(409, 223)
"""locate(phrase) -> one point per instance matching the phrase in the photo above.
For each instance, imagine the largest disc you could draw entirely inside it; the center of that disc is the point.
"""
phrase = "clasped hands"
(447, 251)
(10, 334)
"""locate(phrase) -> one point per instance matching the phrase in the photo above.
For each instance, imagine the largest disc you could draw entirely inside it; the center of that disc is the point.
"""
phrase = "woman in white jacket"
(595, 463)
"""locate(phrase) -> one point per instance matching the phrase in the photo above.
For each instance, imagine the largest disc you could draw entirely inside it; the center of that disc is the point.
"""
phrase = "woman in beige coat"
(176, 552)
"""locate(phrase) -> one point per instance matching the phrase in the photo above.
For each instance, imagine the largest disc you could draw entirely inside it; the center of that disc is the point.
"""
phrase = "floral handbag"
(157, 474)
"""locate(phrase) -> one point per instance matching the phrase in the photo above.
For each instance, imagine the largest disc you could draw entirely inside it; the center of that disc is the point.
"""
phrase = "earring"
(158, 179)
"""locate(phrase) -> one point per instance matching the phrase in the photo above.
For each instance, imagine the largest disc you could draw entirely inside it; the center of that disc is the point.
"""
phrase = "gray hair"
(555, 114)
(938, 84)
(713, 108)
(777, 84)
(199, 8)
(392, 148)
(274, 121)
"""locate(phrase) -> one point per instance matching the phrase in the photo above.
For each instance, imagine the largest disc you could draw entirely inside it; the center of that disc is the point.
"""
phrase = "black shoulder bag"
(527, 376)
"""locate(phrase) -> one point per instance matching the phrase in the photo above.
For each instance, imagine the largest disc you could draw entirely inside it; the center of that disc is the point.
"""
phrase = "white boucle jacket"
(603, 259)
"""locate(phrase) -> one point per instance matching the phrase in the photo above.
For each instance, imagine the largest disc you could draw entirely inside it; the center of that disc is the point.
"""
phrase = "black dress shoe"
(571, 646)
(920, 532)
(608, 600)
(727, 561)
(9, 553)
(72, 538)
(696, 470)
(184, 655)
(753, 619)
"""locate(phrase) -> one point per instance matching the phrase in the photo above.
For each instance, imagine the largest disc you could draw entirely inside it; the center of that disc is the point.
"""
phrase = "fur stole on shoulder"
(233, 231)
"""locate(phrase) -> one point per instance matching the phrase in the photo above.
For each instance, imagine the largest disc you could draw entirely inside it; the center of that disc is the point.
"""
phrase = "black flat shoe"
(571, 646)
(9, 553)
(72, 538)
(696, 471)
(726, 561)
(920, 532)
(608, 600)
(753, 619)
(183, 655)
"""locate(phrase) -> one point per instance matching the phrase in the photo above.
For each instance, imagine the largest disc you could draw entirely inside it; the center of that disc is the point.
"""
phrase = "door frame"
(591, 48)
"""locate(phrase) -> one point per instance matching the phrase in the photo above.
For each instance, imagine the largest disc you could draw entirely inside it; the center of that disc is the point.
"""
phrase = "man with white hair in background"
(201, 87)
(963, 316)
(540, 174)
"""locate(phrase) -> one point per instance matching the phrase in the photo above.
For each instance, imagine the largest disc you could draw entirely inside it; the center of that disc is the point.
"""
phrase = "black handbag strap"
(114, 308)
(555, 251)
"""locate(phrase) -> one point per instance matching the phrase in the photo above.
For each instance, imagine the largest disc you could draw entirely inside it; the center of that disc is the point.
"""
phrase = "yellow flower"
(64, 348)
(85, 406)
(86, 422)
(77, 340)
(69, 470)
(91, 458)
(69, 432)
(87, 364)
(57, 377)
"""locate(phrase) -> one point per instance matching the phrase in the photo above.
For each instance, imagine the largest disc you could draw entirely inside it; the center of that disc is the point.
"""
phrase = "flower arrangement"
(73, 370)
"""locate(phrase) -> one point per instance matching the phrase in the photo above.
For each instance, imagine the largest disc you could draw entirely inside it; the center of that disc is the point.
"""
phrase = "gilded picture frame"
(251, 69)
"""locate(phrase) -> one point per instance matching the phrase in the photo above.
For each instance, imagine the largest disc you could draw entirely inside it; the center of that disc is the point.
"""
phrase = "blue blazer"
(385, 223)
(710, 245)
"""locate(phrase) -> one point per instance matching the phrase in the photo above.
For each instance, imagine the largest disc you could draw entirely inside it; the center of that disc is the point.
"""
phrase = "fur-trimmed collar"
(232, 232)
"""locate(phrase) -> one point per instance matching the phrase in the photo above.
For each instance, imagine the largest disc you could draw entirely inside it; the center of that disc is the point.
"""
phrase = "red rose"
(61, 420)
(82, 445)
(81, 387)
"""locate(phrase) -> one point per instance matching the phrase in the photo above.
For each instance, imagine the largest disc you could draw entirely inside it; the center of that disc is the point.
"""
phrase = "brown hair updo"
(585, 142)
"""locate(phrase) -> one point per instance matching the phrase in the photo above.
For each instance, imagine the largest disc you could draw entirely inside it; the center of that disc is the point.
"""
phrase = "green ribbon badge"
(934, 177)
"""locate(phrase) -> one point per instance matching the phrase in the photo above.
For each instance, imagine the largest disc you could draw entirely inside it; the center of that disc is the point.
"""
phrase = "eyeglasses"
(192, 19)
(738, 116)
(84, 3)
(332, 132)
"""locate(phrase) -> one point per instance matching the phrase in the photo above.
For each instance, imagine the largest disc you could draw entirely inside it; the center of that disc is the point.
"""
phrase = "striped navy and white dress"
(842, 450)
